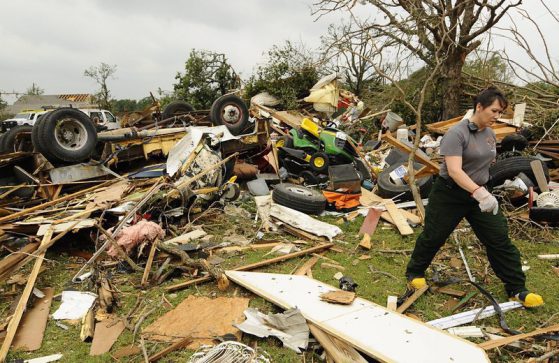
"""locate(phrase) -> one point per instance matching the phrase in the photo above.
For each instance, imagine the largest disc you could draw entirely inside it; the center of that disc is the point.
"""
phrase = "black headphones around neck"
(472, 126)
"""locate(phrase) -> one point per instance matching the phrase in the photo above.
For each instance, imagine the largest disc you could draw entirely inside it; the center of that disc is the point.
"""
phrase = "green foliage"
(207, 76)
(124, 105)
(490, 68)
(288, 74)
(388, 96)
(100, 74)
(34, 90)
(3, 104)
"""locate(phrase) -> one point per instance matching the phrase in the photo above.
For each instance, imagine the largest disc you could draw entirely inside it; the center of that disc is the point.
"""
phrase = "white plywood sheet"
(385, 335)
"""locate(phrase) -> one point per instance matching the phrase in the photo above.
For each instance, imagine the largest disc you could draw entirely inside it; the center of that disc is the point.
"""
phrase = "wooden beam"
(255, 265)
(412, 299)
(16, 318)
(420, 158)
(399, 220)
(149, 263)
(338, 350)
(307, 266)
(500, 342)
(175, 346)
(53, 202)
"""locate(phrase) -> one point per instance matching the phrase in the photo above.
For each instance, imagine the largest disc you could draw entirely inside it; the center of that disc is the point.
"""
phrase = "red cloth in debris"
(130, 237)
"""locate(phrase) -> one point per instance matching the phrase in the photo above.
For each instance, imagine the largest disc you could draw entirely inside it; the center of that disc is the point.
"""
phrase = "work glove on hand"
(487, 202)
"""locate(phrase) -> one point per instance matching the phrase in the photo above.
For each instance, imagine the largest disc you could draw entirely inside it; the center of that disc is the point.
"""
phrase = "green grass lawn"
(372, 286)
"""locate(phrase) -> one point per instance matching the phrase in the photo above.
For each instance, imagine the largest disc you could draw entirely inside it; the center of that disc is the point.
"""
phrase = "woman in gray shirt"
(459, 192)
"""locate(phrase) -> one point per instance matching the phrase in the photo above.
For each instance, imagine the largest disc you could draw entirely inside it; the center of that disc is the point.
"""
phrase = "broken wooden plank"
(307, 266)
(16, 318)
(29, 336)
(365, 242)
(340, 351)
(175, 346)
(338, 297)
(368, 327)
(106, 334)
(392, 302)
(370, 222)
(149, 262)
(409, 301)
(399, 220)
(255, 265)
(492, 344)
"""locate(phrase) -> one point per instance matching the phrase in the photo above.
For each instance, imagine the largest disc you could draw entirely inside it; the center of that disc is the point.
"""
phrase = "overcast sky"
(51, 42)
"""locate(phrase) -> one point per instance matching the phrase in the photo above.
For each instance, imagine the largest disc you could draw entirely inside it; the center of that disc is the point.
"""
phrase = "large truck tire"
(231, 111)
(388, 189)
(511, 167)
(176, 108)
(300, 198)
(67, 135)
(14, 140)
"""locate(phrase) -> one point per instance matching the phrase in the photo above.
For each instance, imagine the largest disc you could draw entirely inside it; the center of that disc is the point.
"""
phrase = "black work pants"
(448, 204)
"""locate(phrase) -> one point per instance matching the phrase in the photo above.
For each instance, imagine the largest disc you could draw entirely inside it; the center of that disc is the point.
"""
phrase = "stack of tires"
(65, 135)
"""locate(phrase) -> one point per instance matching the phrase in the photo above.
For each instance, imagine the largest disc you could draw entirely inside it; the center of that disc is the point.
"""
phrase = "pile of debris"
(137, 200)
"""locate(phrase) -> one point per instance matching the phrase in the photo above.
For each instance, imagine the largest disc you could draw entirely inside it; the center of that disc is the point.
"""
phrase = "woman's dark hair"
(486, 97)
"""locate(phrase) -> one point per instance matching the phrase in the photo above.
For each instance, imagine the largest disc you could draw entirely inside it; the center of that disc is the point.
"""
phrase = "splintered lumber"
(307, 266)
(338, 297)
(88, 326)
(175, 346)
(255, 265)
(549, 257)
(338, 350)
(399, 220)
(370, 328)
(13, 259)
(75, 195)
(500, 342)
(16, 318)
(432, 166)
(370, 222)
(406, 304)
(149, 263)
(365, 241)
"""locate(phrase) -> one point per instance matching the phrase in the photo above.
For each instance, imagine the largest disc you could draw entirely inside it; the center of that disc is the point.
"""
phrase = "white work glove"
(487, 202)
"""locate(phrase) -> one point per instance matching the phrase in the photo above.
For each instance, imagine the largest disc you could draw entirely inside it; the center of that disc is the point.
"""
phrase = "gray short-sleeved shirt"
(477, 149)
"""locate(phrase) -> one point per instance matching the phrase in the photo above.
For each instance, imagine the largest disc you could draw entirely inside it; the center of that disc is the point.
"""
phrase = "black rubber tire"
(9, 138)
(300, 198)
(49, 141)
(387, 189)
(511, 167)
(176, 108)
(239, 113)
(324, 167)
(516, 142)
(35, 134)
(1, 146)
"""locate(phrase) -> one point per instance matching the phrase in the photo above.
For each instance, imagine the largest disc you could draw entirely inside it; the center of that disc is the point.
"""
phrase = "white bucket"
(402, 134)
(392, 121)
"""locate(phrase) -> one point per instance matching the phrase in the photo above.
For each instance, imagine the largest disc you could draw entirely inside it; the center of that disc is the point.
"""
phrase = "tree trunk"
(451, 84)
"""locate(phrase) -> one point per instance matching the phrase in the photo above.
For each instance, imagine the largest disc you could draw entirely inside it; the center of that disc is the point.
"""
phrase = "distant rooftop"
(32, 102)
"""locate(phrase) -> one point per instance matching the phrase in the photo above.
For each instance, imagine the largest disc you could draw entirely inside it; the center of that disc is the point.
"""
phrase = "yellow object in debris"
(529, 300)
(310, 126)
(418, 283)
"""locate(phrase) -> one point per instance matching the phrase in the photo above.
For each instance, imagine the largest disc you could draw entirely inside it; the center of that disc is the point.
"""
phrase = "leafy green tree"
(207, 76)
(35, 90)
(100, 74)
(288, 74)
(124, 105)
(489, 68)
(3, 104)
